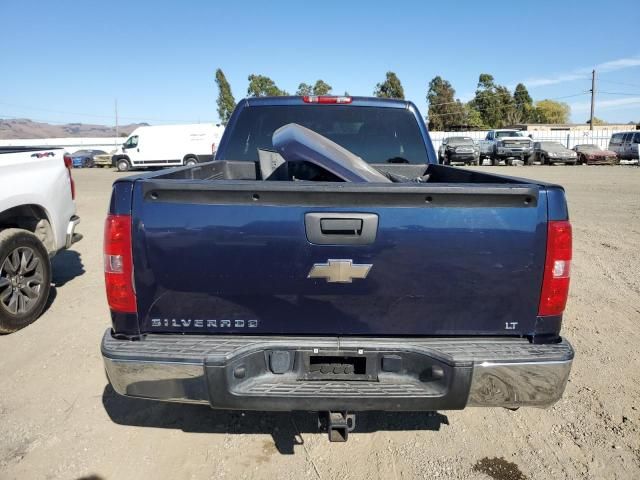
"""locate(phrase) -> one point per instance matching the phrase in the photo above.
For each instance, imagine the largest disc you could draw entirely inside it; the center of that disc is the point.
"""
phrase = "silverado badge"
(339, 271)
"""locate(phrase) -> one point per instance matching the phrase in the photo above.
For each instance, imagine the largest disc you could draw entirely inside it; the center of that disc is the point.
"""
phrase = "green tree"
(390, 88)
(472, 117)
(226, 103)
(444, 110)
(508, 114)
(261, 86)
(321, 88)
(523, 104)
(304, 89)
(550, 111)
(598, 121)
(497, 106)
(486, 101)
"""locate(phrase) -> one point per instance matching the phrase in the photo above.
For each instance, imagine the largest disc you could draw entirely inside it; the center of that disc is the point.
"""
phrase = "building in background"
(573, 127)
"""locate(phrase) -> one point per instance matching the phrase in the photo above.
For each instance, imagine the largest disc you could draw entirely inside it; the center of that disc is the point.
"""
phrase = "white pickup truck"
(505, 145)
(37, 219)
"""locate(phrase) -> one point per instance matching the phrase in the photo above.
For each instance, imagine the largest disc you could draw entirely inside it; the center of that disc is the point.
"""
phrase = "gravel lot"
(59, 419)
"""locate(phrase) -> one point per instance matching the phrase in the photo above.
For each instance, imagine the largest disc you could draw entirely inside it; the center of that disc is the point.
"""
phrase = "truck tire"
(190, 161)
(123, 165)
(25, 279)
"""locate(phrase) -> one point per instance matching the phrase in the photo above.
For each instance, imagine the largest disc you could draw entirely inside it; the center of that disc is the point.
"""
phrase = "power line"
(593, 98)
(40, 120)
(620, 93)
(485, 109)
(444, 103)
(569, 96)
(621, 83)
(90, 115)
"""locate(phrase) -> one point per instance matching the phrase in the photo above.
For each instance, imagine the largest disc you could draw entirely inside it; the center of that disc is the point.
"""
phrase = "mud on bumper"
(331, 373)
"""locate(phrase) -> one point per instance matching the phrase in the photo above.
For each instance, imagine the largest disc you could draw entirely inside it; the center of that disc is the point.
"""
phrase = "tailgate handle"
(341, 226)
(333, 228)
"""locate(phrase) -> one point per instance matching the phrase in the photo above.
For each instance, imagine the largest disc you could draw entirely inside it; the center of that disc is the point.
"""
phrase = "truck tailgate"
(236, 257)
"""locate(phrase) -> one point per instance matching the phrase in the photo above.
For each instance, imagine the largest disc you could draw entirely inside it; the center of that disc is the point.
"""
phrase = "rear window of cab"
(375, 134)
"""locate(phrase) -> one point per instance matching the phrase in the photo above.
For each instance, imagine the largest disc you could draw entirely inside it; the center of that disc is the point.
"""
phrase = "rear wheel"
(123, 165)
(25, 279)
(190, 161)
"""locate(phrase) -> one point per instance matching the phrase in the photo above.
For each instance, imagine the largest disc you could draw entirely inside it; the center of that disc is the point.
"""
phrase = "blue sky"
(67, 61)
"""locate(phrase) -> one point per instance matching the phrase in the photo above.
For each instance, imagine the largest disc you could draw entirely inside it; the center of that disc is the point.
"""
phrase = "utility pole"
(117, 130)
(593, 97)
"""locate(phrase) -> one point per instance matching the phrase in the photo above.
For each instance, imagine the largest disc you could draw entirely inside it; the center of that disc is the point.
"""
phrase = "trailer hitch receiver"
(337, 424)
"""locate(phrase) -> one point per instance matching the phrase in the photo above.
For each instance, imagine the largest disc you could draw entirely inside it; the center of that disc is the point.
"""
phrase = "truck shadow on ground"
(286, 429)
(66, 265)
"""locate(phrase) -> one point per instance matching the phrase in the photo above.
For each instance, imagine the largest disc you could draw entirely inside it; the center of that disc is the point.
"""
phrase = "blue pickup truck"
(270, 280)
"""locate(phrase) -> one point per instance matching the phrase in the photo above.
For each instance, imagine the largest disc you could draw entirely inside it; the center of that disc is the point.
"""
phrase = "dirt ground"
(59, 419)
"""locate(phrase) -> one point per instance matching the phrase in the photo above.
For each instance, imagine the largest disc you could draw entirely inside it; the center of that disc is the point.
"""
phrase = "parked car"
(168, 145)
(590, 154)
(626, 145)
(459, 150)
(548, 153)
(293, 272)
(104, 160)
(84, 158)
(37, 219)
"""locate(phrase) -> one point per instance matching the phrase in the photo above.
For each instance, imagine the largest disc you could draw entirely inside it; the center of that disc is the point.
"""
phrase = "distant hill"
(25, 128)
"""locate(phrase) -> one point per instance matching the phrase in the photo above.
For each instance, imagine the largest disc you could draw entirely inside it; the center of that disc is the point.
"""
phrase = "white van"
(626, 145)
(168, 145)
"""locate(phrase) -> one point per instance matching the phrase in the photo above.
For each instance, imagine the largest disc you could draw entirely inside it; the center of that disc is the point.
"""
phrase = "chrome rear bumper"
(434, 374)
(72, 237)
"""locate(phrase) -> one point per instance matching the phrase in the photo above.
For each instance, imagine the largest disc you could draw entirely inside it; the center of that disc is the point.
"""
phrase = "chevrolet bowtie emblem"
(339, 271)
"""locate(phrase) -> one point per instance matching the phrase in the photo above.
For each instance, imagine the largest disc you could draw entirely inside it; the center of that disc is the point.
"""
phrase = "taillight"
(213, 148)
(118, 264)
(325, 99)
(68, 162)
(557, 269)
